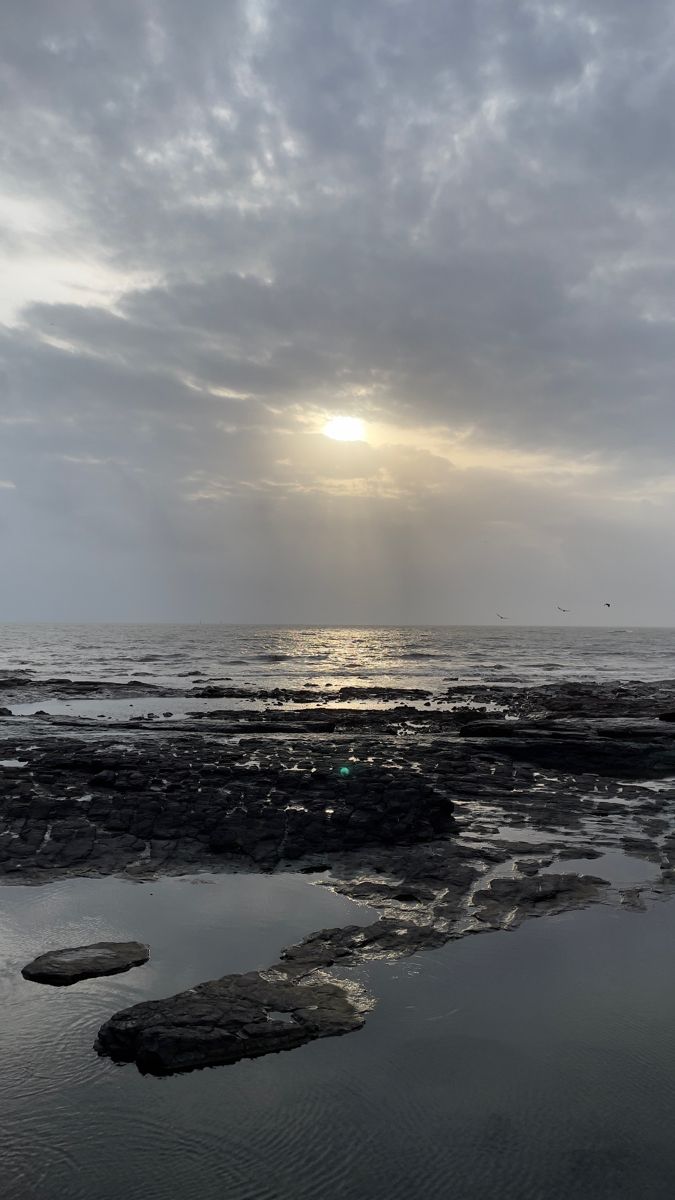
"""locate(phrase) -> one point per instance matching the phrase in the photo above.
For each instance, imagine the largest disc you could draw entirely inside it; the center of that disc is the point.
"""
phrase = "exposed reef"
(224, 1020)
(447, 817)
(71, 965)
(101, 807)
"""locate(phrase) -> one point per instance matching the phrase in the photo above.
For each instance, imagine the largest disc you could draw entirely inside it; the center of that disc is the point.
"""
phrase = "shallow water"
(68, 1115)
(533, 1065)
(621, 870)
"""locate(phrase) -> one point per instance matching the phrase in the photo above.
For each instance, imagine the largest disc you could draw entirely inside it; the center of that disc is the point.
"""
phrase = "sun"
(345, 429)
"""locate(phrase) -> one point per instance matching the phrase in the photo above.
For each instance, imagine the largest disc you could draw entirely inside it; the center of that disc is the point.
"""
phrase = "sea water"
(430, 657)
(532, 1065)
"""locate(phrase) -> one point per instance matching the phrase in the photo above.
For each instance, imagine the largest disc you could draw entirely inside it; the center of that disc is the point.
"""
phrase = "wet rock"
(507, 901)
(406, 807)
(641, 847)
(90, 801)
(534, 847)
(628, 699)
(224, 1020)
(186, 799)
(382, 693)
(579, 852)
(493, 728)
(63, 967)
(530, 866)
(385, 938)
(632, 898)
(213, 691)
(24, 688)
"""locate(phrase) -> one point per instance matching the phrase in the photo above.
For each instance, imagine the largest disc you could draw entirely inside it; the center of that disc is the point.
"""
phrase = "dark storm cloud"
(222, 217)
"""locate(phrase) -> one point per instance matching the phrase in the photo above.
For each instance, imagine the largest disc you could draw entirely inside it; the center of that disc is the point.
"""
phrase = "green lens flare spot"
(344, 771)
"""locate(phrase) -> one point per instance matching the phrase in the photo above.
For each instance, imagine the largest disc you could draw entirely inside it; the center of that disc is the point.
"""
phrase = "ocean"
(270, 656)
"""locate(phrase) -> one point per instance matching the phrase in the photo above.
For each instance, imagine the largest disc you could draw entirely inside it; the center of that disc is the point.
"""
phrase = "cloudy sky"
(223, 223)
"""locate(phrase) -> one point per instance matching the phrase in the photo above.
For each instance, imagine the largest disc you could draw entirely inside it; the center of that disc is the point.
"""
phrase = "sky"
(224, 223)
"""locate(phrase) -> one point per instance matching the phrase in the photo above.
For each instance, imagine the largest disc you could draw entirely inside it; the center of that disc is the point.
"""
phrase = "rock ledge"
(62, 967)
(238, 1016)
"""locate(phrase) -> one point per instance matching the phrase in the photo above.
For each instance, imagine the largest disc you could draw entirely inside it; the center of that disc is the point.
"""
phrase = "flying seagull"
(562, 609)
(607, 604)
(501, 618)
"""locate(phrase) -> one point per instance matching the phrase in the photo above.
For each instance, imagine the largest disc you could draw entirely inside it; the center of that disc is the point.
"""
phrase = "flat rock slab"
(224, 1020)
(62, 967)
(506, 902)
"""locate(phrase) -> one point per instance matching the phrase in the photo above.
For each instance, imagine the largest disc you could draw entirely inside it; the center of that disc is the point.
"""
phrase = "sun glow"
(345, 429)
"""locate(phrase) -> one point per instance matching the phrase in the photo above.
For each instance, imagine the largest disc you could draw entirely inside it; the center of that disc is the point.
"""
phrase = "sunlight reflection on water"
(426, 657)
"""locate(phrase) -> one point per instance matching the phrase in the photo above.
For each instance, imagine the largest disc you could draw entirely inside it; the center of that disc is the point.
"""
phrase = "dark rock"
(24, 688)
(224, 1020)
(350, 692)
(506, 901)
(213, 691)
(386, 938)
(528, 867)
(62, 967)
(641, 848)
(632, 898)
(175, 795)
(579, 852)
(405, 806)
(493, 728)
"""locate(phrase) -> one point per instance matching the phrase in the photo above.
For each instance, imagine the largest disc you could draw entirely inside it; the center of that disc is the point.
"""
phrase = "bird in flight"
(501, 618)
(607, 604)
(562, 609)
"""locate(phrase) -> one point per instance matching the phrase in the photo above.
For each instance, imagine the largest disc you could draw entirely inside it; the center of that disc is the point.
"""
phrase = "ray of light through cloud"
(354, 313)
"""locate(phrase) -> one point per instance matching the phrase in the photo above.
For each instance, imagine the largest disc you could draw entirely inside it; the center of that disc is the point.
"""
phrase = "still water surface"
(533, 1065)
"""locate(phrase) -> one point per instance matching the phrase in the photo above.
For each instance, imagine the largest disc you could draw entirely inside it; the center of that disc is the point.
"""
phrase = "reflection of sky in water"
(623, 870)
(529, 1064)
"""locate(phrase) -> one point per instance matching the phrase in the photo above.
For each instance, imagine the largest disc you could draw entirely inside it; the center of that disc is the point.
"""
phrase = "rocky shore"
(450, 815)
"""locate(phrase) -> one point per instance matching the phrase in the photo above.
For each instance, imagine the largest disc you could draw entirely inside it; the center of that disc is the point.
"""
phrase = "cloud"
(451, 220)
